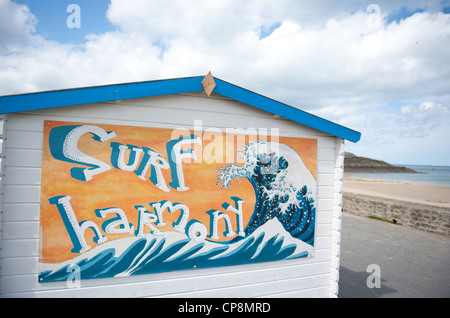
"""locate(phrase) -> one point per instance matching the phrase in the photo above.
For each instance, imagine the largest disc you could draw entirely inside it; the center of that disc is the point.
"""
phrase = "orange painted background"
(124, 190)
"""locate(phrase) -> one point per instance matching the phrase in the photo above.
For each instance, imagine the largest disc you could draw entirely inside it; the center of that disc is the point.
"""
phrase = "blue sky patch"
(402, 14)
(52, 19)
(267, 31)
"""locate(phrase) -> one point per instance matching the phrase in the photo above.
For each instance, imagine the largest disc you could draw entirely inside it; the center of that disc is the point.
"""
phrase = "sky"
(379, 67)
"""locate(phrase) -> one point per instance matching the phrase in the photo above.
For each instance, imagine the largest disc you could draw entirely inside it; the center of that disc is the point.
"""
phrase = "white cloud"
(16, 25)
(326, 57)
(414, 134)
(342, 57)
(419, 121)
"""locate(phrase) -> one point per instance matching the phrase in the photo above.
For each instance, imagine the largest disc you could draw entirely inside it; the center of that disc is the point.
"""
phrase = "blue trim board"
(98, 94)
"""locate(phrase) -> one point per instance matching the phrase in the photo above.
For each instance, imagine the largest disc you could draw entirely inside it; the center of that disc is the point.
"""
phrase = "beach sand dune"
(411, 192)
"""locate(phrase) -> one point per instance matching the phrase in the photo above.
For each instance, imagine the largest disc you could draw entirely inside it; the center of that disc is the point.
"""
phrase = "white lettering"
(118, 156)
(76, 230)
(63, 142)
(215, 217)
(154, 160)
(146, 218)
(163, 205)
(110, 226)
(176, 155)
(238, 210)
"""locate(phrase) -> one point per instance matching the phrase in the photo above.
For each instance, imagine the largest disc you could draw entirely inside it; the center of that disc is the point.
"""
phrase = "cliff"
(353, 163)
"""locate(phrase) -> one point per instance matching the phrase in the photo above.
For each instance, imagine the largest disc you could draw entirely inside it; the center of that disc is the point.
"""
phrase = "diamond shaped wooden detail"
(208, 84)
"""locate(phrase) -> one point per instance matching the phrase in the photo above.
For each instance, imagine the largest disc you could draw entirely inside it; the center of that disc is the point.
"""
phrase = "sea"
(436, 175)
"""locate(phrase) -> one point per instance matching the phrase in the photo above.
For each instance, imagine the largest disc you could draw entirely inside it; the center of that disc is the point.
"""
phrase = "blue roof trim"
(98, 94)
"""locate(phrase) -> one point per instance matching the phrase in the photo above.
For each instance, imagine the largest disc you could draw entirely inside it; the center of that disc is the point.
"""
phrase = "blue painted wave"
(284, 188)
(173, 252)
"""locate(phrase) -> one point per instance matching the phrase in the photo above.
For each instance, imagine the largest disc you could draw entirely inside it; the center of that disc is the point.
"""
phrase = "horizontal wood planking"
(22, 194)
(242, 280)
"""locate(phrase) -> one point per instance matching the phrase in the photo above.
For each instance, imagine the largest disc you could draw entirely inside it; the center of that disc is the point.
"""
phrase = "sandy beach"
(411, 192)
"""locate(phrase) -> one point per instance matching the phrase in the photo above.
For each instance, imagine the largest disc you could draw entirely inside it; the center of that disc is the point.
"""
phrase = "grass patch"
(394, 221)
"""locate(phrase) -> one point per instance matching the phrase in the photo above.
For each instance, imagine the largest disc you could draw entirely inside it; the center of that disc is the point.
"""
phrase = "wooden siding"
(21, 177)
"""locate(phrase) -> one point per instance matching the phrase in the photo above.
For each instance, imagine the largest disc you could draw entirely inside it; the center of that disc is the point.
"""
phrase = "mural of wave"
(281, 226)
(175, 251)
(283, 185)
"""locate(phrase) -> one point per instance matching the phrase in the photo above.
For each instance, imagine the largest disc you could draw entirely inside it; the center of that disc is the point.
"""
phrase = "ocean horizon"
(435, 175)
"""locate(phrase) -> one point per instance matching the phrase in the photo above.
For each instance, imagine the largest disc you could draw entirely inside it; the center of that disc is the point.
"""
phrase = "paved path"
(412, 263)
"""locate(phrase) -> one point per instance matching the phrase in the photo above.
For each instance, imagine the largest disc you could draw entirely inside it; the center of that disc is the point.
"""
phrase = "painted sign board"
(126, 200)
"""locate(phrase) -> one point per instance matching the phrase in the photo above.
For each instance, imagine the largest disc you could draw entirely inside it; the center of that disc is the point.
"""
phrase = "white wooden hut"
(137, 190)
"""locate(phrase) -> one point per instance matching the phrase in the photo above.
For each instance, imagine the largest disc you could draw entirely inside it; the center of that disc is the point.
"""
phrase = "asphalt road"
(411, 263)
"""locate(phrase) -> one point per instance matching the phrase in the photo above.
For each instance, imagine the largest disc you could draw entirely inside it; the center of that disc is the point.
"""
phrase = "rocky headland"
(353, 163)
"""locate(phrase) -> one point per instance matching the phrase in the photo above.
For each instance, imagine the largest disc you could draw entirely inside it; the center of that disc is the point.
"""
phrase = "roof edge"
(106, 93)
(98, 94)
